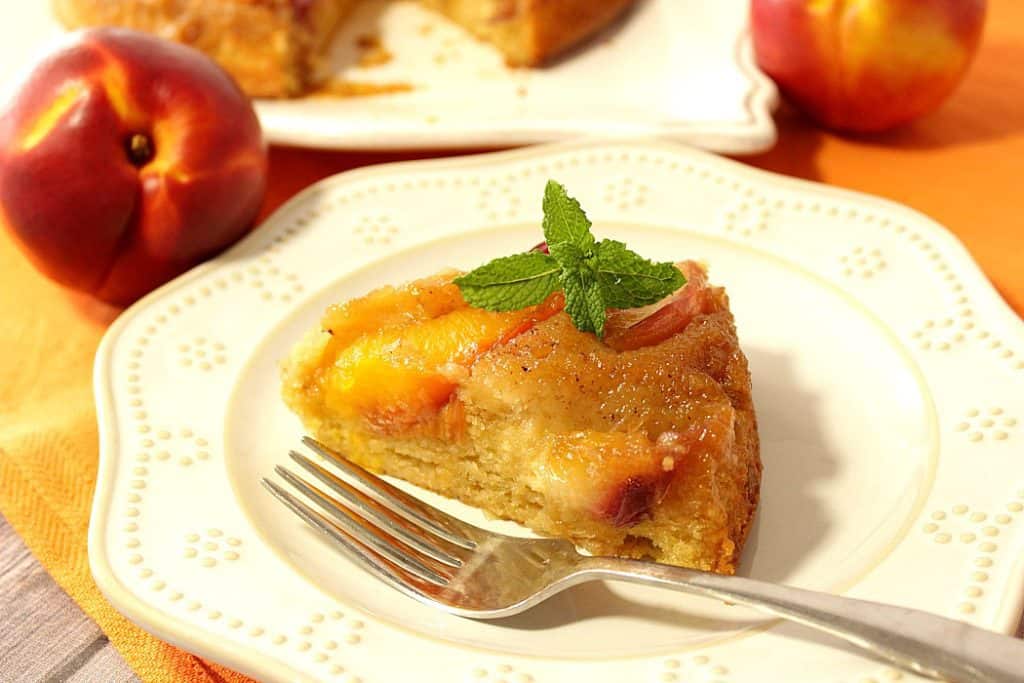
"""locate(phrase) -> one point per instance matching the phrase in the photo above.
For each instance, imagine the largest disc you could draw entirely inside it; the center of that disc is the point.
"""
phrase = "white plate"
(887, 378)
(680, 69)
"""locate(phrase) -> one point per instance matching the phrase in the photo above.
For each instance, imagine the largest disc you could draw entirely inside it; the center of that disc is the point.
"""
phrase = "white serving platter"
(677, 69)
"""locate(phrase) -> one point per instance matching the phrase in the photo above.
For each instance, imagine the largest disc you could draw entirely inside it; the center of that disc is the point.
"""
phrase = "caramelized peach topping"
(636, 328)
(397, 354)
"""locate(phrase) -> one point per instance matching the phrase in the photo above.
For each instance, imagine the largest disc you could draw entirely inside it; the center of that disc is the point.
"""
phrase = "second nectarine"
(866, 65)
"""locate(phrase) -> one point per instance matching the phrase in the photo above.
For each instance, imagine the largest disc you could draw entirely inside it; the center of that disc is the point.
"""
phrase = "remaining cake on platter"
(276, 48)
(642, 443)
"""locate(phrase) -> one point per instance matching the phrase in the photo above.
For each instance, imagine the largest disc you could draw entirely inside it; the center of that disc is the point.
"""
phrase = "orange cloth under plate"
(962, 166)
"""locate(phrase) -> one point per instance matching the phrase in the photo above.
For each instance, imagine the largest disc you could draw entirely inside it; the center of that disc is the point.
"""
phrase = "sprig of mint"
(594, 275)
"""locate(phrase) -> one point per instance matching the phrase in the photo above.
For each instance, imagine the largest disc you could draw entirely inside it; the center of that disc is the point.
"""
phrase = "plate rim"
(245, 659)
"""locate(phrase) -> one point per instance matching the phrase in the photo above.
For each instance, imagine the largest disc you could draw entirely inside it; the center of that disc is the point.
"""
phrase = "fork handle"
(927, 644)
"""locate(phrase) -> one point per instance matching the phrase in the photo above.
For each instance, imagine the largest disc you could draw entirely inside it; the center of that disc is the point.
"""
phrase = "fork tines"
(394, 535)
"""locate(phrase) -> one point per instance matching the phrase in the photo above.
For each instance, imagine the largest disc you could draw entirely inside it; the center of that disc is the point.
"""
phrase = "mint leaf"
(564, 221)
(594, 276)
(628, 280)
(569, 256)
(583, 301)
(511, 282)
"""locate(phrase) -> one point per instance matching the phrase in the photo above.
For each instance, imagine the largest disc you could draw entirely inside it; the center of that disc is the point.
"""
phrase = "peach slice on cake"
(396, 356)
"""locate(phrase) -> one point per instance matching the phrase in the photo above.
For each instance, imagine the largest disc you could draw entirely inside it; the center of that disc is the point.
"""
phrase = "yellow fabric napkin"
(48, 451)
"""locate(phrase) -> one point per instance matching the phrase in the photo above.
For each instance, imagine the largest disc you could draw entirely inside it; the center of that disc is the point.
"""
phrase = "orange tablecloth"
(964, 166)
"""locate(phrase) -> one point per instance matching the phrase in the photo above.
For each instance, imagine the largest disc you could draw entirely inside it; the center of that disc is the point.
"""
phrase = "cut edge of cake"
(278, 48)
(531, 32)
(270, 48)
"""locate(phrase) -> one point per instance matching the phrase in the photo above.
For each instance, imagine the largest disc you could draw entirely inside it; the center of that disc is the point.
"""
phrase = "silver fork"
(444, 562)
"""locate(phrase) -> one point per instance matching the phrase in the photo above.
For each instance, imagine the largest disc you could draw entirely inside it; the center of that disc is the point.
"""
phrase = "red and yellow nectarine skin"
(866, 65)
(125, 160)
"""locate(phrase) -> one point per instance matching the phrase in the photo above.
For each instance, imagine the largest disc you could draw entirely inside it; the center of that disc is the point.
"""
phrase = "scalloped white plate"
(680, 69)
(887, 378)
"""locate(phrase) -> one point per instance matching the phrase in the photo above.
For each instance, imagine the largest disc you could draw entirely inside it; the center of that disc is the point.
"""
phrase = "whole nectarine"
(866, 65)
(126, 159)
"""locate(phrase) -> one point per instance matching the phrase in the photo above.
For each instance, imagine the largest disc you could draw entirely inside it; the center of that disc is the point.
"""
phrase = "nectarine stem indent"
(139, 148)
